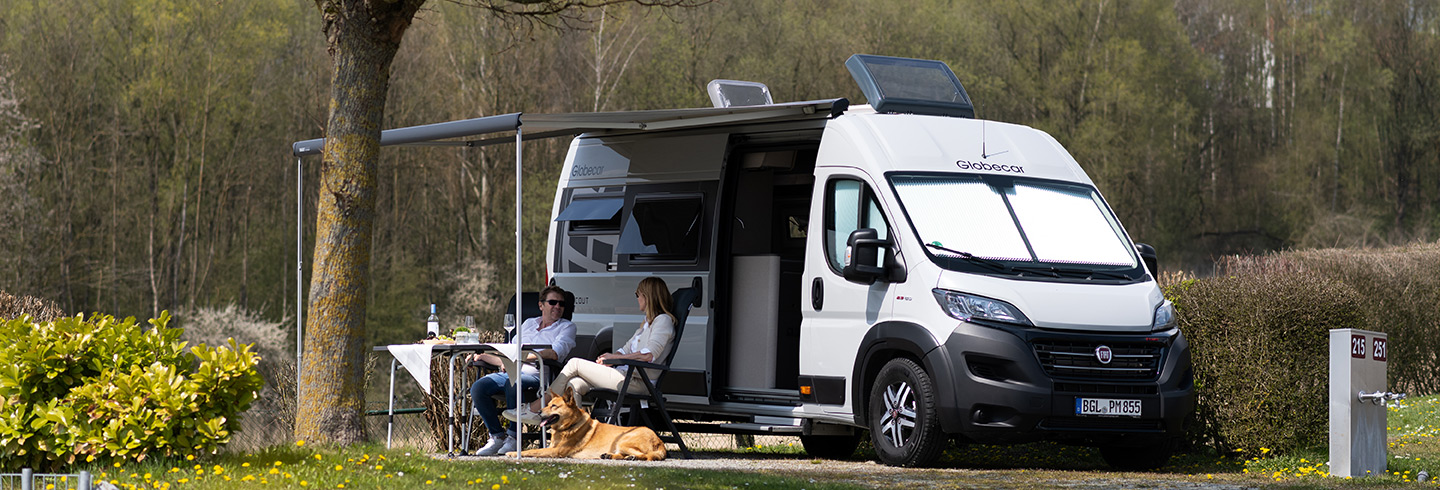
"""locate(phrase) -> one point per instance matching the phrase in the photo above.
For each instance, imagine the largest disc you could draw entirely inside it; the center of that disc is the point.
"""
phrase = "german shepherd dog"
(574, 434)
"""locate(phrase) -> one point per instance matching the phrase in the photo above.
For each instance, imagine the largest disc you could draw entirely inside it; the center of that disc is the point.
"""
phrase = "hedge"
(1259, 337)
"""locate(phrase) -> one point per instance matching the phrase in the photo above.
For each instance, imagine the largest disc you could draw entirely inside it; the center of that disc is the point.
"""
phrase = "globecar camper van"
(899, 268)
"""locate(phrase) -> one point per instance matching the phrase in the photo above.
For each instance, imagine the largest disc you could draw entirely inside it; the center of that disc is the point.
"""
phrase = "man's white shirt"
(560, 335)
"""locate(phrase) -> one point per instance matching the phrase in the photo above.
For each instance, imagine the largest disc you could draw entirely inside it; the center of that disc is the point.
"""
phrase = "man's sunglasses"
(554, 302)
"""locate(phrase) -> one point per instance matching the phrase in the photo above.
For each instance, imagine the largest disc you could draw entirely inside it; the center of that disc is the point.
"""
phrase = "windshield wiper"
(972, 258)
(1053, 271)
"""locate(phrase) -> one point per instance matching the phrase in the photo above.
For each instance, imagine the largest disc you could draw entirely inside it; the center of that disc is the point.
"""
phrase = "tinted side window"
(849, 205)
(666, 228)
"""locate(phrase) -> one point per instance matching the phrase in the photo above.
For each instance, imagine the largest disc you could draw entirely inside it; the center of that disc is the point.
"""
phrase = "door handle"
(817, 293)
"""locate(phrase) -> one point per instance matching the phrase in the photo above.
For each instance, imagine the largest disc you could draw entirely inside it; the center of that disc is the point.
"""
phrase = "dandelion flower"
(300, 443)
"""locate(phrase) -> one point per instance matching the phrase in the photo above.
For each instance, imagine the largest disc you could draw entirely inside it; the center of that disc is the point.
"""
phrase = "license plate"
(1107, 406)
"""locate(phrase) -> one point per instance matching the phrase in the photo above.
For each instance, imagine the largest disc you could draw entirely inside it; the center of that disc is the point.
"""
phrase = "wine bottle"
(432, 324)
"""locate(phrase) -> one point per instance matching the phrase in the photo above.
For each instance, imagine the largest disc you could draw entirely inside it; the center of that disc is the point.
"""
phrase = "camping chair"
(684, 298)
(530, 309)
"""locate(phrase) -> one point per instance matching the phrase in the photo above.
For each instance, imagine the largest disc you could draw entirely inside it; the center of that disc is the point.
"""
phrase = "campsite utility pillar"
(1357, 402)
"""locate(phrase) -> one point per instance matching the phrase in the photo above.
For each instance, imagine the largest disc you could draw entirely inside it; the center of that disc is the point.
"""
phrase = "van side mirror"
(1147, 255)
(862, 256)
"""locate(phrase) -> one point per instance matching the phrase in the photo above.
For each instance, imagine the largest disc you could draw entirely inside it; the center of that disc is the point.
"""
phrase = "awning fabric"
(483, 131)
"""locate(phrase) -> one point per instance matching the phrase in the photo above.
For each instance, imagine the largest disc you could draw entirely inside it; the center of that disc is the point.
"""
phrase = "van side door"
(837, 312)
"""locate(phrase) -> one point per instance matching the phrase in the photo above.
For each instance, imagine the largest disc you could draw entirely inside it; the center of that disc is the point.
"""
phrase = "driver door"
(837, 312)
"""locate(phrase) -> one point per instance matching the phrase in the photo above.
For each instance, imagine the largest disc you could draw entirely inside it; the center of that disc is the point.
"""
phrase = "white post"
(1357, 402)
(519, 332)
(299, 270)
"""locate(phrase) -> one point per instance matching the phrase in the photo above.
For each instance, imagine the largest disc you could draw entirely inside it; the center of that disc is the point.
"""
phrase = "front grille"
(1099, 389)
(1132, 361)
(1101, 423)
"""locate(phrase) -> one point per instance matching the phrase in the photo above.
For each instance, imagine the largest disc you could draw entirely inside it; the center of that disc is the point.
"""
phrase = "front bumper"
(1001, 392)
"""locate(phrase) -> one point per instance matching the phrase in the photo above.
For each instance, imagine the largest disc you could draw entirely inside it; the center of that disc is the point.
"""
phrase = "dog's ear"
(570, 394)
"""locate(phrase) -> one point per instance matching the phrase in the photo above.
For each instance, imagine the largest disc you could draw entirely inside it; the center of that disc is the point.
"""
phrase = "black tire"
(831, 447)
(1137, 458)
(904, 423)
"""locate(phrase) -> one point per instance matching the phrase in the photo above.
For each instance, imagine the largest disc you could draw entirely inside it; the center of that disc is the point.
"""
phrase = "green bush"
(1259, 342)
(100, 390)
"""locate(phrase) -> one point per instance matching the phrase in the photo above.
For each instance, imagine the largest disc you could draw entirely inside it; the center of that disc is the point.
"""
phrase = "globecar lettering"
(969, 165)
(586, 171)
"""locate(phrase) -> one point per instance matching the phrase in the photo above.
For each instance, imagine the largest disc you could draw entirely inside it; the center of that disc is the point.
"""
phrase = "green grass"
(1413, 429)
(371, 466)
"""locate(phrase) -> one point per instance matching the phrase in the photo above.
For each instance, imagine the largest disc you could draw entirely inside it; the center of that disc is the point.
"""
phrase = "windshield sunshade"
(981, 225)
(1021, 222)
(1068, 226)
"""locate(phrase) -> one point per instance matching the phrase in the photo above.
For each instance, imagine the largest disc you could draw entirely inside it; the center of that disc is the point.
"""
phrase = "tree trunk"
(363, 38)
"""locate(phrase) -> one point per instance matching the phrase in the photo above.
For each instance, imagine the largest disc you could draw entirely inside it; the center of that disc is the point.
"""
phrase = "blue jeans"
(484, 391)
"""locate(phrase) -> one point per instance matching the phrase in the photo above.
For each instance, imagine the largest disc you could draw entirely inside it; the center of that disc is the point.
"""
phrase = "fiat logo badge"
(1103, 354)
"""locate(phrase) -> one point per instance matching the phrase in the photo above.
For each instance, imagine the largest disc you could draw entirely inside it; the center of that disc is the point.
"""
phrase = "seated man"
(548, 328)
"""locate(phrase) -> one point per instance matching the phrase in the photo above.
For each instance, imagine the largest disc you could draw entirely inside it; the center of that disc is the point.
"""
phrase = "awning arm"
(426, 133)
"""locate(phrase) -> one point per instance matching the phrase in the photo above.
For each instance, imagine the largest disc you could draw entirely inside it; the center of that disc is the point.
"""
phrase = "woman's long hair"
(657, 298)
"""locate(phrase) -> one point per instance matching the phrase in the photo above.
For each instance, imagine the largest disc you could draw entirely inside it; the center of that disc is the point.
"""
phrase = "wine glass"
(509, 325)
(470, 334)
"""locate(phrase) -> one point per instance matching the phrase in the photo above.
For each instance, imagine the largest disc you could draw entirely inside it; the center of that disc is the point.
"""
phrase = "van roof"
(922, 143)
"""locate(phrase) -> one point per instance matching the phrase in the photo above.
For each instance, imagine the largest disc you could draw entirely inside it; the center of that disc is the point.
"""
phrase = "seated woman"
(649, 344)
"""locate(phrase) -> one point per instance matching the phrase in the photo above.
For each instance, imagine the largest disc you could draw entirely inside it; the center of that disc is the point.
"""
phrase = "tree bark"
(363, 38)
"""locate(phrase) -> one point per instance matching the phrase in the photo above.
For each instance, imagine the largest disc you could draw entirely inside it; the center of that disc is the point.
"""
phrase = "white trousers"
(581, 375)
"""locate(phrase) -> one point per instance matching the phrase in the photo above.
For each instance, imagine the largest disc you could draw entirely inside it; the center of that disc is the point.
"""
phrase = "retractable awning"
(482, 131)
(485, 131)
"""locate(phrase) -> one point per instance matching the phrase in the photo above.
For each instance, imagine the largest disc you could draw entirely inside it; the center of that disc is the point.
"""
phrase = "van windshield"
(1016, 226)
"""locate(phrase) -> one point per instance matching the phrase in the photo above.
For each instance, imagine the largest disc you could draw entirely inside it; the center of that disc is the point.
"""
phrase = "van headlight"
(1164, 317)
(963, 306)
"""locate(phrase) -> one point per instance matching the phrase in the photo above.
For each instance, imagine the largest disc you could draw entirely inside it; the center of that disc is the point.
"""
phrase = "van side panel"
(588, 259)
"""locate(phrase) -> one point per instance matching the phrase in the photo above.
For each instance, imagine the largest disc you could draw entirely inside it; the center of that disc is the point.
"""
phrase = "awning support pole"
(519, 332)
(299, 270)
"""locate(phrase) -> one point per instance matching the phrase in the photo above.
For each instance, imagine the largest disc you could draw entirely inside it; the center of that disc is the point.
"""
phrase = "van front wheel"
(904, 425)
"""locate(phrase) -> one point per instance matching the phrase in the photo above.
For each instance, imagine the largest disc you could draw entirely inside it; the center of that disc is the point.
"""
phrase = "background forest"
(145, 144)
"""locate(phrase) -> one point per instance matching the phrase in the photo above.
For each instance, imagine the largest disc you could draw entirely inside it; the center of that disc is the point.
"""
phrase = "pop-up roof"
(910, 86)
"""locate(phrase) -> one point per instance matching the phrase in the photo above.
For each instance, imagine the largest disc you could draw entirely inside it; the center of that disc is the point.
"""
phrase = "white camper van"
(899, 268)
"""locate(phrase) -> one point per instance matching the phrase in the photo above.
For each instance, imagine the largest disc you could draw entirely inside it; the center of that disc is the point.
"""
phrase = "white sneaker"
(526, 417)
(507, 447)
(496, 445)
